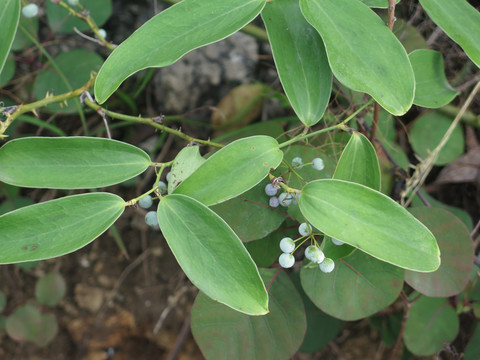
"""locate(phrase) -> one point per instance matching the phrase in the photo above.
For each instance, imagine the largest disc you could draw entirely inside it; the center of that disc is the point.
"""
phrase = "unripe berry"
(72, 2)
(102, 33)
(286, 260)
(270, 190)
(168, 176)
(327, 265)
(273, 202)
(287, 245)
(285, 199)
(30, 10)
(162, 187)
(297, 161)
(318, 164)
(337, 242)
(304, 229)
(145, 202)
(151, 218)
(314, 254)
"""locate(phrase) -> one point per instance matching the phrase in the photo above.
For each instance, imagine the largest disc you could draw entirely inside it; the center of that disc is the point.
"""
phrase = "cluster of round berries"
(316, 163)
(285, 199)
(312, 252)
(147, 201)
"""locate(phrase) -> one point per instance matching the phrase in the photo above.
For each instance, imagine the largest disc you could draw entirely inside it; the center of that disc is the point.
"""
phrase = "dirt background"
(137, 307)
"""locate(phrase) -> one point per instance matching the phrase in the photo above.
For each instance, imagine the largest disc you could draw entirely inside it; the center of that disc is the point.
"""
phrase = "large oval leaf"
(371, 222)
(222, 333)
(359, 286)
(300, 58)
(56, 227)
(460, 21)
(69, 162)
(431, 323)
(363, 53)
(457, 253)
(359, 163)
(171, 34)
(211, 255)
(231, 171)
(186, 162)
(432, 89)
(9, 17)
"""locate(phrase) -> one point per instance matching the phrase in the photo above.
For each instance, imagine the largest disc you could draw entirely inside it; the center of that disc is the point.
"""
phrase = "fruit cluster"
(146, 202)
(312, 252)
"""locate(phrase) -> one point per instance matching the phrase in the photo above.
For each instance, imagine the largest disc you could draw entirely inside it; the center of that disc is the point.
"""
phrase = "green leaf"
(9, 18)
(56, 227)
(222, 333)
(25, 26)
(250, 208)
(363, 53)
(427, 132)
(460, 21)
(456, 247)
(27, 323)
(359, 286)
(431, 323)
(73, 74)
(231, 171)
(472, 351)
(171, 34)
(69, 162)
(359, 163)
(300, 59)
(62, 22)
(335, 252)
(432, 89)
(186, 162)
(211, 255)
(371, 222)
(3, 301)
(382, 4)
(50, 289)
(8, 71)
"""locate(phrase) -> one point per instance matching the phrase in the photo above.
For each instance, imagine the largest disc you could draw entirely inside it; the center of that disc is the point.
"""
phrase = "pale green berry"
(151, 218)
(297, 161)
(337, 242)
(318, 164)
(327, 265)
(304, 229)
(285, 199)
(162, 187)
(287, 245)
(73, 2)
(270, 190)
(273, 202)
(102, 33)
(145, 202)
(30, 10)
(286, 260)
(168, 176)
(314, 254)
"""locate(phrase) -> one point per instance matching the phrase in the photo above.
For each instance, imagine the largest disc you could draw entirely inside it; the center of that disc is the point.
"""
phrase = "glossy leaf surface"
(69, 162)
(9, 18)
(300, 59)
(432, 89)
(56, 227)
(457, 253)
(357, 43)
(223, 333)
(231, 171)
(171, 34)
(363, 218)
(186, 162)
(250, 208)
(211, 255)
(431, 323)
(460, 21)
(359, 286)
(359, 163)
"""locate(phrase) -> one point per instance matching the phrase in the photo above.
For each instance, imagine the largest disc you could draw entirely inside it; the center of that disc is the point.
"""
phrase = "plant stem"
(340, 126)
(151, 122)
